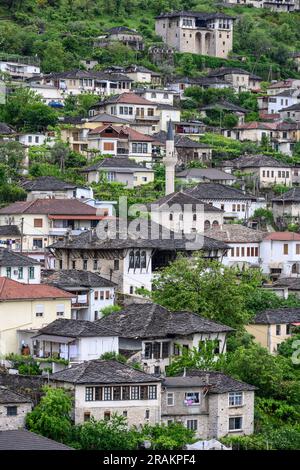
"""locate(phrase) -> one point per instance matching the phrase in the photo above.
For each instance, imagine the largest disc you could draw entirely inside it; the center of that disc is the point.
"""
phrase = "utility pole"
(22, 233)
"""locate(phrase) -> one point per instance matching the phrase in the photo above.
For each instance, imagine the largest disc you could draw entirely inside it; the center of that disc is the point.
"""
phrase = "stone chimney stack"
(170, 160)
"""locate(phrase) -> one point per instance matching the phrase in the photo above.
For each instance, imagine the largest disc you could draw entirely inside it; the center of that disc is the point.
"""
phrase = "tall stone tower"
(170, 160)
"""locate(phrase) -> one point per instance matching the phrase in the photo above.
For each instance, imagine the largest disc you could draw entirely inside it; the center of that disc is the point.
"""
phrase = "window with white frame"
(89, 394)
(170, 399)
(60, 310)
(236, 423)
(39, 310)
(235, 398)
(192, 424)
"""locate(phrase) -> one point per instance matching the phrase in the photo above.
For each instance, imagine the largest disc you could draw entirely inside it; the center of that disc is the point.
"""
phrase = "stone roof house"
(91, 292)
(210, 403)
(19, 267)
(130, 253)
(120, 170)
(104, 387)
(235, 203)
(49, 187)
(180, 211)
(156, 334)
(75, 340)
(13, 409)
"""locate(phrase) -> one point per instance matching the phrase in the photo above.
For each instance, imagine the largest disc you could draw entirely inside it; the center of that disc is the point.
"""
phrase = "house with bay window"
(154, 335)
(104, 387)
(210, 403)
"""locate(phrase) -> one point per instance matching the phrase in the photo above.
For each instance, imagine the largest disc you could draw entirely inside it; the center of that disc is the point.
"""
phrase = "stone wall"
(14, 422)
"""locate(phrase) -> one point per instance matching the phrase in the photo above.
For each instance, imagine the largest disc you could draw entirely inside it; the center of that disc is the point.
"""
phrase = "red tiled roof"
(13, 290)
(269, 116)
(282, 236)
(131, 133)
(132, 98)
(282, 84)
(49, 206)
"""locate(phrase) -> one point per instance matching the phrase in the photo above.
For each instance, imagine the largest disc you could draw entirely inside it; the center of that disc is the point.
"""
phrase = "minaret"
(170, 160)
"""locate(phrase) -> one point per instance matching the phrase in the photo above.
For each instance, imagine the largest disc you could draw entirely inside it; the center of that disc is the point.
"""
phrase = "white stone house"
(19, 267)
(210, 403)
(91, 292)
(183, 212)
(291, 112)
(131, 258)
(157, 95)
(235, 203)
(281, 100)
(45, 187)
(280, 253)
(244, 244)
(13, 409)
(263, 171)
(199, 33)
(105, 387)
(158, 335)
(74, 340)
(19, 70)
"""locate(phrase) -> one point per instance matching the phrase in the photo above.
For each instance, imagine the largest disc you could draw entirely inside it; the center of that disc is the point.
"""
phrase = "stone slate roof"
(181, 199)
(150, 320)
(179, 141)
(293, 195)
(108, 118)
(293, 107)
(218, 191)
(8, 396)
(9, 231)
(73, 278)
(75, 329)
(11, 258)
(152, 235)
(217, 382)
(209, 173)
(121, 29)
(194, 14)
(126, 98)
(49, 207)
(236, 233)
(46, 183)
(278, 316)
(5, 129)
(293, 283)
(21, 439)
(102, 372)
(255, 161)
(228, 71)
(225, 105)
(117, 163)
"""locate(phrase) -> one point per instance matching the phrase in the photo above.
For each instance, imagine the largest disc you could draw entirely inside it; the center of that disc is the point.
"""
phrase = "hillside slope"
(61, 32)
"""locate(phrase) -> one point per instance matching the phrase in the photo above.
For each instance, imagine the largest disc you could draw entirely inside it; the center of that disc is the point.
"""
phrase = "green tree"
(167, 437)
(201, 357)
(51, 417)
(208, 288)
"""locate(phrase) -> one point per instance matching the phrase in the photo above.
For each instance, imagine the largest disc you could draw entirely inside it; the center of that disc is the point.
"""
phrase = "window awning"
(77, 217)
(54, 339)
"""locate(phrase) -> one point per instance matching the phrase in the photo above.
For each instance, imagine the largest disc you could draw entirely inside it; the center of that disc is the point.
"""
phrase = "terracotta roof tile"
(13, 290)
(49, 206)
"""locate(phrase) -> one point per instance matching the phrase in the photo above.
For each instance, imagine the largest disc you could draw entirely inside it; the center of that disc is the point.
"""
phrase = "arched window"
(207, 225)
(143, 259)
(215, 224)
(137, 263)
(171, 216)
(131, 260)
(194, 217)
(295, 268)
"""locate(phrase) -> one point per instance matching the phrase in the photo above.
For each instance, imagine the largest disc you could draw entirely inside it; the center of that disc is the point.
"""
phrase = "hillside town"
(150, 239)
